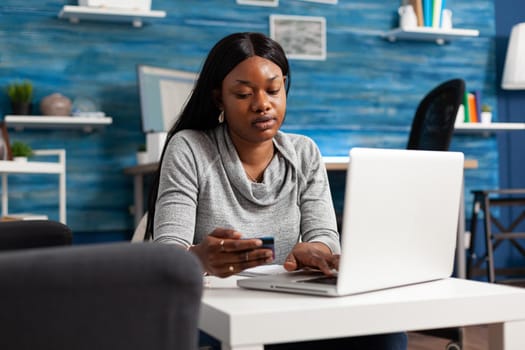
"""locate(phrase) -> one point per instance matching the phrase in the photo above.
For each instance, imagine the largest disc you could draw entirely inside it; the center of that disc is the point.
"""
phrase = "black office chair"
(433, 123)
(432, 130)
(98, 296)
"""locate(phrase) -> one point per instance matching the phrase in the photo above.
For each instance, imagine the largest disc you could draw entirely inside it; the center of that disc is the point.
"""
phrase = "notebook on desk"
(400, 222)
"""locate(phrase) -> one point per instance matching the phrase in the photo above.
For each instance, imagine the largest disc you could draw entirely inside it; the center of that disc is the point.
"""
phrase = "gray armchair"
(103, 296)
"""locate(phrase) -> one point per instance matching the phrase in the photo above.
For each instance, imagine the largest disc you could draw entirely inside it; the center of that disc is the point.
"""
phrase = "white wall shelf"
(438, 35)
(19, 122)
(487, 127)
(77, 13)
(8, 167)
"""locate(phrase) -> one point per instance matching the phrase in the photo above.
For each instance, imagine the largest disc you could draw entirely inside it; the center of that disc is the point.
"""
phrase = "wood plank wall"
(364, 94)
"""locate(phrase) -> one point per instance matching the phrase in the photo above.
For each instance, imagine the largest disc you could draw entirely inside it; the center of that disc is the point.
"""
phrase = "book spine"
(443, 6)
(436, 14)
(477, 96)
(473, 113)
(465, 108)
(427, 13)
(418, 9)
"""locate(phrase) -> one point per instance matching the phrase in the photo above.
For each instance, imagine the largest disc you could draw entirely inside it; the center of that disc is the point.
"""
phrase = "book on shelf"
(443, 7)
(418, 9)
(472, 110)
(23, 217)
(465, 108)
(436, 13)
(471, 107)
(477, 98)
(427, 13)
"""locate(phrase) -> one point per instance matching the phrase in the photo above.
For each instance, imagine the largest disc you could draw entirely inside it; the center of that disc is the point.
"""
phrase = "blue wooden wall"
(364, 94)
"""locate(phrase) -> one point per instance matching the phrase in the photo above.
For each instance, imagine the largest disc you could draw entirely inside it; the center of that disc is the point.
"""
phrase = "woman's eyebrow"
(247, 82)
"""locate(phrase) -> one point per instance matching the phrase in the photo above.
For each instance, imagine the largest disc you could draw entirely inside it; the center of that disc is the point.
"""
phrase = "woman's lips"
(263, 123)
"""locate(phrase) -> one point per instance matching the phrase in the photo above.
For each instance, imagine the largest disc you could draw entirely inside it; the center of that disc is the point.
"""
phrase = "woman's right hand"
(224, 253)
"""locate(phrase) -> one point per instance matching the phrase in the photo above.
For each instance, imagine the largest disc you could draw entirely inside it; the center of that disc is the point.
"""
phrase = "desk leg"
(4, 195)
(507, 336)
(138, 198)
(242, 347)
(460, 242)
(62, 194)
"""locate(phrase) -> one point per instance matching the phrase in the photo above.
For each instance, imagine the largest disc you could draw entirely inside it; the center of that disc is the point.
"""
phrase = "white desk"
(246, 319)
(33, 167)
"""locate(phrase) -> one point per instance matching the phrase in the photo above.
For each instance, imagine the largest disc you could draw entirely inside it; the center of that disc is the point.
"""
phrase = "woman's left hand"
(312, 255)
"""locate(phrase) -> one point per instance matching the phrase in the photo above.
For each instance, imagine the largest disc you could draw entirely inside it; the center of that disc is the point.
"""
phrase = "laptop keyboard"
(322, 280)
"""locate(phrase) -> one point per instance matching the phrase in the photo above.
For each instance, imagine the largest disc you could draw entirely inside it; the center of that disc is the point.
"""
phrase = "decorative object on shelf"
(56, 104)
(20, 95)
(142, 155)
(21, 151)
(118, 4)
(486, 114)
(407, 17)
(5, 145)
(85, 107)
(446, 19)
(514, 69)
(432, 22)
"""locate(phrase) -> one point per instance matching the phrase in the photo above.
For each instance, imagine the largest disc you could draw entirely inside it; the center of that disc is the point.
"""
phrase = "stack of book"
(429, 13)
(470, 110)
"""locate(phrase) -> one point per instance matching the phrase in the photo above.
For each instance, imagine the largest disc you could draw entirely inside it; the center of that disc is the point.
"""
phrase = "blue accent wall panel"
(364, 94)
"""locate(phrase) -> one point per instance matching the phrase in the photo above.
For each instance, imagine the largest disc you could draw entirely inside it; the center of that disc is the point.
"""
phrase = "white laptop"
(399, 224)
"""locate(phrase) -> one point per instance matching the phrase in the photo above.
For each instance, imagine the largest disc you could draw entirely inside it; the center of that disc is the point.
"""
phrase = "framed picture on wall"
(322, 1)
(270, 3)
(302, 37)
(5, 145)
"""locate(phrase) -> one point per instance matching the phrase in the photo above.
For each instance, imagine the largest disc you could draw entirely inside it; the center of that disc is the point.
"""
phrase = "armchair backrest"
(16, 235)
(100, 296)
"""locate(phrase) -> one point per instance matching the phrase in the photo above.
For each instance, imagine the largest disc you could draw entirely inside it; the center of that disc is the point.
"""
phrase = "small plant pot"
(486, 117)
(21, 108)
(142, 157)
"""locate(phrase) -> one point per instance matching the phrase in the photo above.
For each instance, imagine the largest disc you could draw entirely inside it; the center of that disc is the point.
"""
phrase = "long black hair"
(201, 111)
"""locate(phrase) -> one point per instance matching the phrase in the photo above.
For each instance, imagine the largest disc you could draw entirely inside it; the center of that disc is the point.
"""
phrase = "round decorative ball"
(56, 104)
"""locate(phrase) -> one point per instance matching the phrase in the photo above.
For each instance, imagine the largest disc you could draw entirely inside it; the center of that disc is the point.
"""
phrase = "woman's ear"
(217, 98)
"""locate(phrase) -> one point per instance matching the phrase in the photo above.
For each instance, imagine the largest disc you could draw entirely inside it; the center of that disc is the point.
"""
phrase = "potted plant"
(20, 95)
(486, 114)
(142, 154)
(21, 151)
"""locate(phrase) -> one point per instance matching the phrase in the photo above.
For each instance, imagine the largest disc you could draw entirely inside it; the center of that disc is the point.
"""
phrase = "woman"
(228, 175)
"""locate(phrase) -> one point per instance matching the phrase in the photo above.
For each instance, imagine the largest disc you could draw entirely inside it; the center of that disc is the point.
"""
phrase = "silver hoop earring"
(221, 117)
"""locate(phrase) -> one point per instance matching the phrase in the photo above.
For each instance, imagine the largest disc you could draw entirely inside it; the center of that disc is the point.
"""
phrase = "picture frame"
(267, 3)
(302, 37)
(5, 145)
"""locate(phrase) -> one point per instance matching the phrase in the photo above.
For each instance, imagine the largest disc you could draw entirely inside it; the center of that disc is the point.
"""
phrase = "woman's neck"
(255, 159)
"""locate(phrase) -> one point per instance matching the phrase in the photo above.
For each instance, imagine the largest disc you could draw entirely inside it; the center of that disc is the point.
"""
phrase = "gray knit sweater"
(203, 186)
